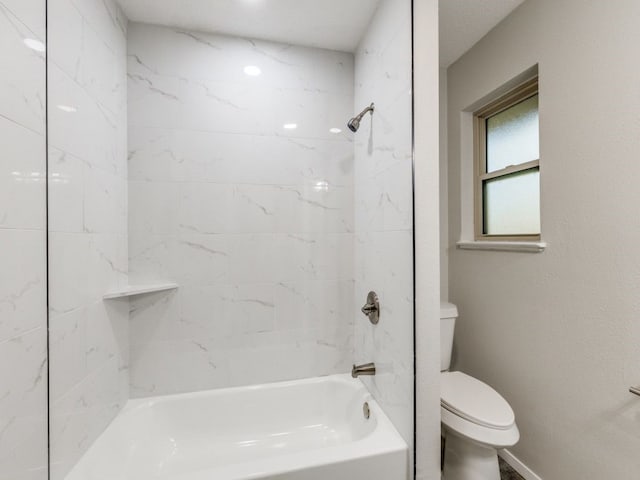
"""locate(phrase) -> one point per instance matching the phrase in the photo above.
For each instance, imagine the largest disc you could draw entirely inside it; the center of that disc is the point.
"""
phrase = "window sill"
(527, 247)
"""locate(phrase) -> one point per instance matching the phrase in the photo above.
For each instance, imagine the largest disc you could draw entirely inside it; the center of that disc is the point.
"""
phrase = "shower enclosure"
(214, 220)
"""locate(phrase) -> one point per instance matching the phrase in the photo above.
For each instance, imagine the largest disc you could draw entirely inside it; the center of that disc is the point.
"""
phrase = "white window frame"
(514, 96)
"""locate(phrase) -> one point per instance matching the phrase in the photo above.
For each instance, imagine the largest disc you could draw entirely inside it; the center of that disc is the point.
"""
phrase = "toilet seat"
(472, 409)
(475, 401)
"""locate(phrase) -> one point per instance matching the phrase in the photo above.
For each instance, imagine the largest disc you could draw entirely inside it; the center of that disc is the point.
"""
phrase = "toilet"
(476, 421)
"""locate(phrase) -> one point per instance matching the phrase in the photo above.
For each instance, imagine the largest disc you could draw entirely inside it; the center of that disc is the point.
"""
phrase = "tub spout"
(365, 369)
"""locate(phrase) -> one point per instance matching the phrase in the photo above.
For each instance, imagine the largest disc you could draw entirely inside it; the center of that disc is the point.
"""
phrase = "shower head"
(354, 123)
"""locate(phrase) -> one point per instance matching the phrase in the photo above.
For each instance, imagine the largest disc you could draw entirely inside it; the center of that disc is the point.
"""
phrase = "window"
(507, 166)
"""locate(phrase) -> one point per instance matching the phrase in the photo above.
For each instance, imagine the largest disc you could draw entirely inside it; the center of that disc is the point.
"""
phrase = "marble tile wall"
(87, 223)
(23, 315)
(254, 221)
(384, 210)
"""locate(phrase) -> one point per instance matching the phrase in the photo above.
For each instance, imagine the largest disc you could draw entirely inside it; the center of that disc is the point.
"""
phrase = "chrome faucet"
(365, 369)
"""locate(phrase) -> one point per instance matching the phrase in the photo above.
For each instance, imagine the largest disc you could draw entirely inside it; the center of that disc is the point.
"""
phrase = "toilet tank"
(448, 315)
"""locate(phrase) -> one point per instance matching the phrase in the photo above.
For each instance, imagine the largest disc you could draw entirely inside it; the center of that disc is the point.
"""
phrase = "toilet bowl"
(476, 420)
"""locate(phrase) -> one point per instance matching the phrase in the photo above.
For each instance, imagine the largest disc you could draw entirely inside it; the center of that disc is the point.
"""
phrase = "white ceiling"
(331, 24)
(464, 22)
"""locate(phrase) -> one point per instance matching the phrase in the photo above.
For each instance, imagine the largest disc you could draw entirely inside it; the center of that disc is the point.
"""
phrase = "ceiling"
(331, 24)
(464, 22)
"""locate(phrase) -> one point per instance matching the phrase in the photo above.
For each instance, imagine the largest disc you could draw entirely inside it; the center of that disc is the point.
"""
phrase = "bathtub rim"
(383, 440)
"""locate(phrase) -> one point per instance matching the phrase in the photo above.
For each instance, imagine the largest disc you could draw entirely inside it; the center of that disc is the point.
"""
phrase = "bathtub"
(312, 429)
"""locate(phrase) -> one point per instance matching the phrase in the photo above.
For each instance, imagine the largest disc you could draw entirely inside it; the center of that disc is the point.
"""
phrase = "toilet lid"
(475, 401)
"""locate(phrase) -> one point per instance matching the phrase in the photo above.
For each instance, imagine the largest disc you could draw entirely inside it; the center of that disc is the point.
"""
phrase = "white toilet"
(476, 420)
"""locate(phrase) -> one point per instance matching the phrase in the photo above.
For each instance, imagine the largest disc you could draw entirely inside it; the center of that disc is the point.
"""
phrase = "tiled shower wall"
(87, 223)
(254, 221)
(384, 210)
(23, 333)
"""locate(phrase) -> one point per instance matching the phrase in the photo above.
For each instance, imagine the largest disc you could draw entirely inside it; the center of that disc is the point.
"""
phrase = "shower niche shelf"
(132, 290)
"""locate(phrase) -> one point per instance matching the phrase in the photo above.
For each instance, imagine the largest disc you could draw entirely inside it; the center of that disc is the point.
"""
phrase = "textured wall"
(87, 223)
(443, 181)
(557, 333)
(383, 210)
(253, 221)
(427, 235)
(23, 337)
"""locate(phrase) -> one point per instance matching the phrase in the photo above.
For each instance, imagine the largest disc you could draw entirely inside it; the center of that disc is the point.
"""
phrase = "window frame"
(514, 96)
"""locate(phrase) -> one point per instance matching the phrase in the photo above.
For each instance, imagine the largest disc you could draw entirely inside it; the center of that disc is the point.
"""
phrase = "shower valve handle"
(369, 308)
(372, 308)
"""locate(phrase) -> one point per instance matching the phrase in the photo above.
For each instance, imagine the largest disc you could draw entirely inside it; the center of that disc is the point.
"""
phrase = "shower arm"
(354, 123)
(371, 108)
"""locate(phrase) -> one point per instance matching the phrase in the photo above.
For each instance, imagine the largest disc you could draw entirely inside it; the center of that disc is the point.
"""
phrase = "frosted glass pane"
(512, 135)
(512, 204)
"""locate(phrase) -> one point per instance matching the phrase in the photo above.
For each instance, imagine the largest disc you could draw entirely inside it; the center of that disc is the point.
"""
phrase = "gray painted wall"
(557, 333)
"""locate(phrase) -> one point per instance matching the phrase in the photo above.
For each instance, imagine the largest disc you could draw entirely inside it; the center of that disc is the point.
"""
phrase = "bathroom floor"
(508, 473)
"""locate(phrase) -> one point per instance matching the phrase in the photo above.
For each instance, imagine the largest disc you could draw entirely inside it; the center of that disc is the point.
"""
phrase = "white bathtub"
(310, 429)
